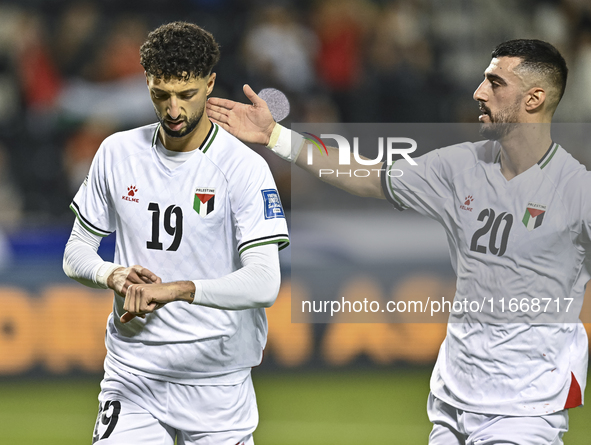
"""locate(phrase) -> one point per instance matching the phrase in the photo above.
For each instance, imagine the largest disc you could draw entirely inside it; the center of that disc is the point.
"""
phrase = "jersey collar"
(155, 137)
(213, 131)
(548, 156)
(542, 162)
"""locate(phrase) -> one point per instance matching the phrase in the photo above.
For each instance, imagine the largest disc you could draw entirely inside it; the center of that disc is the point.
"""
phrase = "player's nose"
(480, 93)
(173, 109)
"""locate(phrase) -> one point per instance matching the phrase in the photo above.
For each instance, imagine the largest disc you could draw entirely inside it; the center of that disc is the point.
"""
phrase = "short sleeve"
(91, 203)
(258, 214)
(422, 187)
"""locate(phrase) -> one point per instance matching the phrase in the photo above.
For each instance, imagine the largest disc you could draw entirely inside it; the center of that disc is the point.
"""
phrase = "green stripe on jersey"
(283, 243)
(550, 157)
(215, 132)
(155, 137)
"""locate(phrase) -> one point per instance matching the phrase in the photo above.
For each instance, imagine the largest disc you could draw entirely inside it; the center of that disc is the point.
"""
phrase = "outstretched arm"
(254, 124)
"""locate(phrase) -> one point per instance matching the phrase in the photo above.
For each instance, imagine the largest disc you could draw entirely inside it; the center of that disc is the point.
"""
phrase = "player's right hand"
(249, 123)
(123, 277)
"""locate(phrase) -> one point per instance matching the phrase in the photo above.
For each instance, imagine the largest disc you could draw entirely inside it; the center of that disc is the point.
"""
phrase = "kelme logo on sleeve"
(204, 200)
(534, 215)
(273, 208)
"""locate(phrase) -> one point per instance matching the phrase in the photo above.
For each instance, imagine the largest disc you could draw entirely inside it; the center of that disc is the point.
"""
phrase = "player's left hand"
(142, 299)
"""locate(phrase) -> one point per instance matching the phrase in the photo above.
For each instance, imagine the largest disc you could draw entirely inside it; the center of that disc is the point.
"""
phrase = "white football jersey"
(186, 223)
(511, 242)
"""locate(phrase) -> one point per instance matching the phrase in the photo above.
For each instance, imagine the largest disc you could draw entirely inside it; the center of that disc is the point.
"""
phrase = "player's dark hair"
(179, 49)
(538, 56)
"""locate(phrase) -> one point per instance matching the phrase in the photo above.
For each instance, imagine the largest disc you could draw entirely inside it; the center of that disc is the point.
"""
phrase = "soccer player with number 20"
(503, 380)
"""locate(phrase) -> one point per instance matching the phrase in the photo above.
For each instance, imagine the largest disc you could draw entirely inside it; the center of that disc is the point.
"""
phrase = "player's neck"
(190, 141)
(523, 148)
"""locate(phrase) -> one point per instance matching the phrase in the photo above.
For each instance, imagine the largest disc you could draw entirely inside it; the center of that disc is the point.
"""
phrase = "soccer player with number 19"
(199, 224)
(517, 214)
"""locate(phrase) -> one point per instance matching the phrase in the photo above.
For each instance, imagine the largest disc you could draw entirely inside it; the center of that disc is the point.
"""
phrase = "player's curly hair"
(181, 50)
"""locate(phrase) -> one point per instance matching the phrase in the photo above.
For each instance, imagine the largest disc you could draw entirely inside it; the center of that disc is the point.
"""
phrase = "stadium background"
(70, 76)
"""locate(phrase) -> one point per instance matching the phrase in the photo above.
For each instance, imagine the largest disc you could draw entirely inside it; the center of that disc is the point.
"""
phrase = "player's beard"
(502, 123)
(190, 124)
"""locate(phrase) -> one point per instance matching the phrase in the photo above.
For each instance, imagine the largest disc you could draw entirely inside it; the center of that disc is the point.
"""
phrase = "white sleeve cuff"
(198, 292)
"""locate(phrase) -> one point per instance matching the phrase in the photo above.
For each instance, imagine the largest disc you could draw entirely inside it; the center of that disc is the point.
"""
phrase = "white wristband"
(285, 143)
(103, 273)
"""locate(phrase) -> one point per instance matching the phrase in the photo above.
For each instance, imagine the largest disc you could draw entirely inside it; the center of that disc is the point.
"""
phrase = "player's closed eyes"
(164, 96)
(159, 96)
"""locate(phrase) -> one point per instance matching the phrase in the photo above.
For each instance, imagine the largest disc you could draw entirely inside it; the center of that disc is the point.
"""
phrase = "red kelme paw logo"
(131, 190)
(469, 200)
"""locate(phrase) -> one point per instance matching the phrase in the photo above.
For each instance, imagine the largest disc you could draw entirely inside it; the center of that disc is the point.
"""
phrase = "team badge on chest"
(204, 200)
(534, 215)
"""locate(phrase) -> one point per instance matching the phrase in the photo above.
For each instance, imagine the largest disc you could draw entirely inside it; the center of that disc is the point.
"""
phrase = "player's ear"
(210, 83)
(535, 98)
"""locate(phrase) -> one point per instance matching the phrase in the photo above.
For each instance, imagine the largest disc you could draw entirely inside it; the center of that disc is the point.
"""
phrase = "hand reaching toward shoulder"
(249, 123)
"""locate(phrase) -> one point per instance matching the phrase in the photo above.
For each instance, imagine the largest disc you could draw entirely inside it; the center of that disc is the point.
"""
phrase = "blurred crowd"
(70, 72)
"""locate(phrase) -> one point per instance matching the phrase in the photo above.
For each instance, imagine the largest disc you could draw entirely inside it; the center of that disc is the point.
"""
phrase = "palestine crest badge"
(204, 200)
(534, 215)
